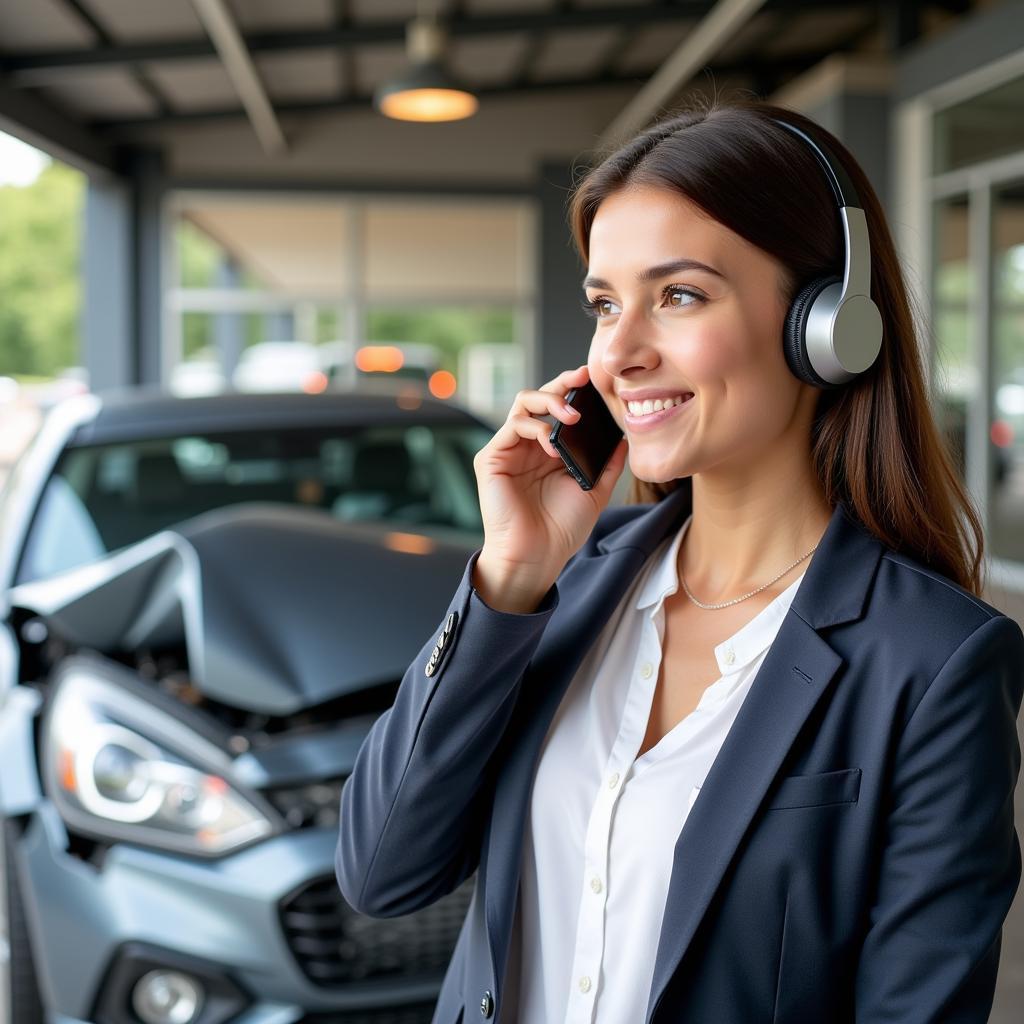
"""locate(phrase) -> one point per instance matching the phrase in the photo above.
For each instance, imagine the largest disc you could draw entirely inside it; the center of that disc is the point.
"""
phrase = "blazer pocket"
(839, 787)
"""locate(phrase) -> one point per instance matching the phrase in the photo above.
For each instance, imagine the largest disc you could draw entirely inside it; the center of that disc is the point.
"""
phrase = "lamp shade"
(425, 92)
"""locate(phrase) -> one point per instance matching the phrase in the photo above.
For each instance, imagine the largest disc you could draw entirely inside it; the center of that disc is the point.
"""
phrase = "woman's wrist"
(509, 587)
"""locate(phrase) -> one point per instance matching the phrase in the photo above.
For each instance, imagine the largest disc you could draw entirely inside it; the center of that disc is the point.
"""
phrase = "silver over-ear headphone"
(833, 330)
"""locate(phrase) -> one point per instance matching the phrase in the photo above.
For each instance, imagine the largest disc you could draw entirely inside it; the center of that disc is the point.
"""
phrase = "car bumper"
(90, 926)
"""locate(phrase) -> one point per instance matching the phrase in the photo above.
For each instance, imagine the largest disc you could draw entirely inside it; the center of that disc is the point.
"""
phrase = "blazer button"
(439, 645)
(487, 1004)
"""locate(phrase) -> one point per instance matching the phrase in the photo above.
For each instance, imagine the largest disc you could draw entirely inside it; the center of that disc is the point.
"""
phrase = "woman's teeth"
(647, 407)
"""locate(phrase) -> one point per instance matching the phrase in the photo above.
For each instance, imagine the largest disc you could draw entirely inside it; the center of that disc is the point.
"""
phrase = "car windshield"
(105, 496)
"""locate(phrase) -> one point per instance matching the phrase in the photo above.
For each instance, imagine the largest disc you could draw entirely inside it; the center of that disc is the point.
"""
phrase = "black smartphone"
(586, 445)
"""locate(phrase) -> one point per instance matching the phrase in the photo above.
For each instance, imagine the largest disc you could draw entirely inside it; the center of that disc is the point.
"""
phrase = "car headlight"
(120, 761)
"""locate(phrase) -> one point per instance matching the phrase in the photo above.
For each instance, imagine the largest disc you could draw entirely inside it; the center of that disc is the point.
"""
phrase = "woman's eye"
(596, 307)
(686, 292)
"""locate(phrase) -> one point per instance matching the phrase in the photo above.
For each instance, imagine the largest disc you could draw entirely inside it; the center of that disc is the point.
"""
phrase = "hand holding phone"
(586, 445)
(536, 518)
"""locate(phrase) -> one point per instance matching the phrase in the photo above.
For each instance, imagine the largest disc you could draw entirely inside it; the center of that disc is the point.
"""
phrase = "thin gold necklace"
(736, 600)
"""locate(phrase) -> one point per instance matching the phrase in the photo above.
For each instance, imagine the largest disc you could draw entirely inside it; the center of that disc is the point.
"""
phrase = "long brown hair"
(875, 444)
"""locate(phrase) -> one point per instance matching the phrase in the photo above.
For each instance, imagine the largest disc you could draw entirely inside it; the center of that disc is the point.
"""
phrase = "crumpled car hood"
(279, 608)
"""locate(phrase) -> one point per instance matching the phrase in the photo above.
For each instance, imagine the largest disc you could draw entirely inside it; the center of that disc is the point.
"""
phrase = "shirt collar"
(747, 642)
(663, 580)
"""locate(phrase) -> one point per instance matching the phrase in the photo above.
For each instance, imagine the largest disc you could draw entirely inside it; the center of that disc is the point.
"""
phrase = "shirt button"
(730, 656)
(584, 984)
(647, 670)
(595, 884)
(613, 780)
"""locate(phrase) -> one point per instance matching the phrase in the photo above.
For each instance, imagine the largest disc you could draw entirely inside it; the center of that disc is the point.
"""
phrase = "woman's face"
(711, 332)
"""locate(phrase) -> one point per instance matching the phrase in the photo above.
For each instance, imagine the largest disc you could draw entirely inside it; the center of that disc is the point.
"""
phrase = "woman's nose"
(629, 347)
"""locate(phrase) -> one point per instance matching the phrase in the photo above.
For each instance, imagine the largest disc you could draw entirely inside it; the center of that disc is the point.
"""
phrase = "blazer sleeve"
(413, 810)
(951, 861)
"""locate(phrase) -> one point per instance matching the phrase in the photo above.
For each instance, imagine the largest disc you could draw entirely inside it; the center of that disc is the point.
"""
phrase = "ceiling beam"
(720, 24)
(33, 120)
(345, 62)
(238, 64)
(782, 69)
(42, 67)
(145, 83)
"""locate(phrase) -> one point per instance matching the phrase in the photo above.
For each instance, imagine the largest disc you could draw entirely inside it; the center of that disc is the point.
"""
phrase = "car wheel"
(19, 992)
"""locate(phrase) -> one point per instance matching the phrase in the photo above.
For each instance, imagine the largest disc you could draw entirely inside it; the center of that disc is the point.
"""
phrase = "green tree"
(40, 280)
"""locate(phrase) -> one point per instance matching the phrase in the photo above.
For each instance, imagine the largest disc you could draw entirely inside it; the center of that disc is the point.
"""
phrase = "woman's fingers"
(567, 380)
(544, 403)
(522, 422)
(519, 426)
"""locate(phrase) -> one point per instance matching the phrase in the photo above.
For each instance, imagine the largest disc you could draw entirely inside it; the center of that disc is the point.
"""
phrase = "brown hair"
(875, 444)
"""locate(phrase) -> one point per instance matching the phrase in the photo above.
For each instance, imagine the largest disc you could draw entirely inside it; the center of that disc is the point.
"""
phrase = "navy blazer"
(852, 856)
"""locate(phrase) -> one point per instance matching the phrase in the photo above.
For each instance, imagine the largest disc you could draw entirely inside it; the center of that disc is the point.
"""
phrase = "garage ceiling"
(93, 77)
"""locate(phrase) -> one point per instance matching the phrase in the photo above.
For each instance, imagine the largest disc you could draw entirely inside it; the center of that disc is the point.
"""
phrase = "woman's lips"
(638, 424)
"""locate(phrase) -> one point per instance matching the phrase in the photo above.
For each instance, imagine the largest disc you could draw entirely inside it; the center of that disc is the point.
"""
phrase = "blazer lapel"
(590, 590)
(796, 673)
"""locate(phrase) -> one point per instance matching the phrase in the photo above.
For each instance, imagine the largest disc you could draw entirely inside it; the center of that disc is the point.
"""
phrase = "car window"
(103, 497)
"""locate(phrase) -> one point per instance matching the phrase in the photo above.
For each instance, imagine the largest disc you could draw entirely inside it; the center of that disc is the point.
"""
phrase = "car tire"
(19, 989)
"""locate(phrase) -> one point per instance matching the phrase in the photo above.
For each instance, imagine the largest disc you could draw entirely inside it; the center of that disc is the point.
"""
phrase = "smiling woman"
(740, 210)
(792, 800)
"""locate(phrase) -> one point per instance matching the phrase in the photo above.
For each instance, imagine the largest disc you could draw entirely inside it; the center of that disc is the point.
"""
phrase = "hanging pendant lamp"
(425, 91)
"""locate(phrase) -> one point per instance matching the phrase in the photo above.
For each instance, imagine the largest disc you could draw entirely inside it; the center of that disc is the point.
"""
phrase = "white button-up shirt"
(602, 824)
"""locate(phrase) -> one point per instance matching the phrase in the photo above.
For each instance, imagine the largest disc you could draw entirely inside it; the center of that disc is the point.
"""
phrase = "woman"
(743, 750)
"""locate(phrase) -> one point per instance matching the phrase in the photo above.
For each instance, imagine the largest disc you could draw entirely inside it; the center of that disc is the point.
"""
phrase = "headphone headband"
(842, 187)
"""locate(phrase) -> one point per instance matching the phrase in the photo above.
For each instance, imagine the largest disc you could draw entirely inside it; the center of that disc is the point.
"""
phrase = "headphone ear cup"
(794, 328)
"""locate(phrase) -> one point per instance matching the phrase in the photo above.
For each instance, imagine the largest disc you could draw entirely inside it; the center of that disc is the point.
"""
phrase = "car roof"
(153, 412)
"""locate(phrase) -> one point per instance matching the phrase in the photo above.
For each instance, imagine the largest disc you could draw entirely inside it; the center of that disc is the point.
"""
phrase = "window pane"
(983, 127)
(256, 276)
(288, 246)
(435, 248)
(412, 476)
(1007, 510)
(954, 376)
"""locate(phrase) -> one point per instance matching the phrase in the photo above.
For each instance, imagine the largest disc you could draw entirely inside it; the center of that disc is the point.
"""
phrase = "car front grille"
(334, 945)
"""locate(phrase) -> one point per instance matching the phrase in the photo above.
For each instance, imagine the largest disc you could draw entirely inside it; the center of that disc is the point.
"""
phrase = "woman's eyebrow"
(661, 270)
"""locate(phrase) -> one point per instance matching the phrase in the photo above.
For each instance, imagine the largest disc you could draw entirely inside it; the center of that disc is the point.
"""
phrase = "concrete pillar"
(228, 328)
(107, 300)
(122, 262)
(146, 171)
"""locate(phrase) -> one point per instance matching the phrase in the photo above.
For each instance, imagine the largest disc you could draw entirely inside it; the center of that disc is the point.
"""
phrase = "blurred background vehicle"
(279, 366)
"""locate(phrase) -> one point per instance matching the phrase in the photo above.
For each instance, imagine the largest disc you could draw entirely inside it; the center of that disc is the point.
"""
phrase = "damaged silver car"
(207, 604)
